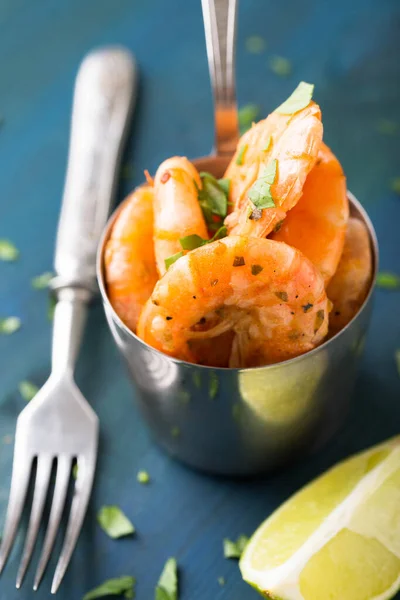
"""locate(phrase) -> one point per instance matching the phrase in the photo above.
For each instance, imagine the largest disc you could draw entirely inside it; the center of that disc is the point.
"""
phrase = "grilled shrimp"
(130, 268)
(177, 212)
(317, 224)
(350, 284)
(268, 295)
(293, 142)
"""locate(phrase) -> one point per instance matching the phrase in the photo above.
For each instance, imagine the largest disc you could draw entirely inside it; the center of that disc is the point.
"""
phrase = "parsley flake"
(235, 549)
(280, 66)
(171, 259)
(9, 325)
(256, 269)
(191, 242)
(8, 252)
(238, 261)
(255, 44)
(213, 197)
(143, 477)
(28, 390)
(283, 296)
(167, 586)
(120, 586)
(241, 153)
(300, 98)
(42, 281)
(307, 307)
(388, 281)
(260, 192)
(247, 114)
(113, 521)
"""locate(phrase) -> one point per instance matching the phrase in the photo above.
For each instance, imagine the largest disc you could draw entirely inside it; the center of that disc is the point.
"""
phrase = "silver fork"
(58, 426)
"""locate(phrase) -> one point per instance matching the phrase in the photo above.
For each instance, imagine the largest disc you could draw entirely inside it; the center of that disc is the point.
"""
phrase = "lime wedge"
(336, 539)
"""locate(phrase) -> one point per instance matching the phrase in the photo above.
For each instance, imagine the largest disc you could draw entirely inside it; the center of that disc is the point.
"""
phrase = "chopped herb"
(300, 98)
(255, 214)
(283, 296)
(280, 66)
(9, 325)
(238, 261)
(256, 269)
(241, 153)
(175, 432)
(128, 172)
(120, 586)
(307, 307)
(267, 144)
(42, 281)
(51, 306)
(214, 385)
(278, 226)
(319, 319)
(255, 44)
(387, 127)
(221, 580)
(143, 477)
(171, 259)
(113, 521)
(397, 359)
(28, 390)
(190, 242)
(247, 114)
(260, 191)
(167, 586)
(388, 281)
(235, 549)
(8, 252)
(197, 379)
(395, 185)
(213, 197)
(214, 282)
(75, 471)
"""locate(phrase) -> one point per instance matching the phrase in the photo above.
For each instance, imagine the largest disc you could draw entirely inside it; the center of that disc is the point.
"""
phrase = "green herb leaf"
(387, 127)
(395, 185)
(143, 477)
(247, 114)
(120, 586)
(221, 580)
(388, 281)
(280, 66)
(167, 586)
(190, 242)
(113, 521)
(235, 549)
(9, 325)
(214, 385)
(213, 197)
(397, 359)
(241, 153)
(8, 252)
(28, 390)
(260, 192)
(225, 184)
(42, 281)
(171, 259)
(255, 44)
(300, 98)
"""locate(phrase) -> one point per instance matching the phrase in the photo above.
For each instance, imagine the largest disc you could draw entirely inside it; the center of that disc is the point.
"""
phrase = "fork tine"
(83, 487)
(57, 507)
(19, 486)
(43, 472)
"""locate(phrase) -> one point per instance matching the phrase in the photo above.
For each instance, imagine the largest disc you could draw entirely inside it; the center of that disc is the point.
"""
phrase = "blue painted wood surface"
(351, 52)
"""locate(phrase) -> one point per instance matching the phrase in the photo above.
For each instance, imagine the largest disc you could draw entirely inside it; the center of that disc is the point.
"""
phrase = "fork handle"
(103, 99)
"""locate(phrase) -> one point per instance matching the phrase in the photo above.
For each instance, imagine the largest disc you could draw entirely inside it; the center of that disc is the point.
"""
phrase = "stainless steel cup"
(243, 421)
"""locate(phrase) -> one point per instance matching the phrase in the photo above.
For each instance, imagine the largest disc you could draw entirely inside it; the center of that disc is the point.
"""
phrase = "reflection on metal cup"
(244, 421)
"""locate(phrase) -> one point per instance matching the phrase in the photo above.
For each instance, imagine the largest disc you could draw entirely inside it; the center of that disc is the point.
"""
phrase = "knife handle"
(105, 91)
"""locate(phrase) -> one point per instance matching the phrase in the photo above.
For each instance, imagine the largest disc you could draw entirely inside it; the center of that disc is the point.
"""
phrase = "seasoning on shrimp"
(245, 321)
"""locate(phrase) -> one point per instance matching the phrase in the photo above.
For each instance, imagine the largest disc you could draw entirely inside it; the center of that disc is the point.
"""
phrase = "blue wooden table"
(351, 52)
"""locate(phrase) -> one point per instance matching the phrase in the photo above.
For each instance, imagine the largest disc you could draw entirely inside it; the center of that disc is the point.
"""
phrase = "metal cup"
(244, 421)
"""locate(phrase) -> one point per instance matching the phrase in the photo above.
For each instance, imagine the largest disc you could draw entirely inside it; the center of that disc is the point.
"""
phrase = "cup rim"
(354, 203)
